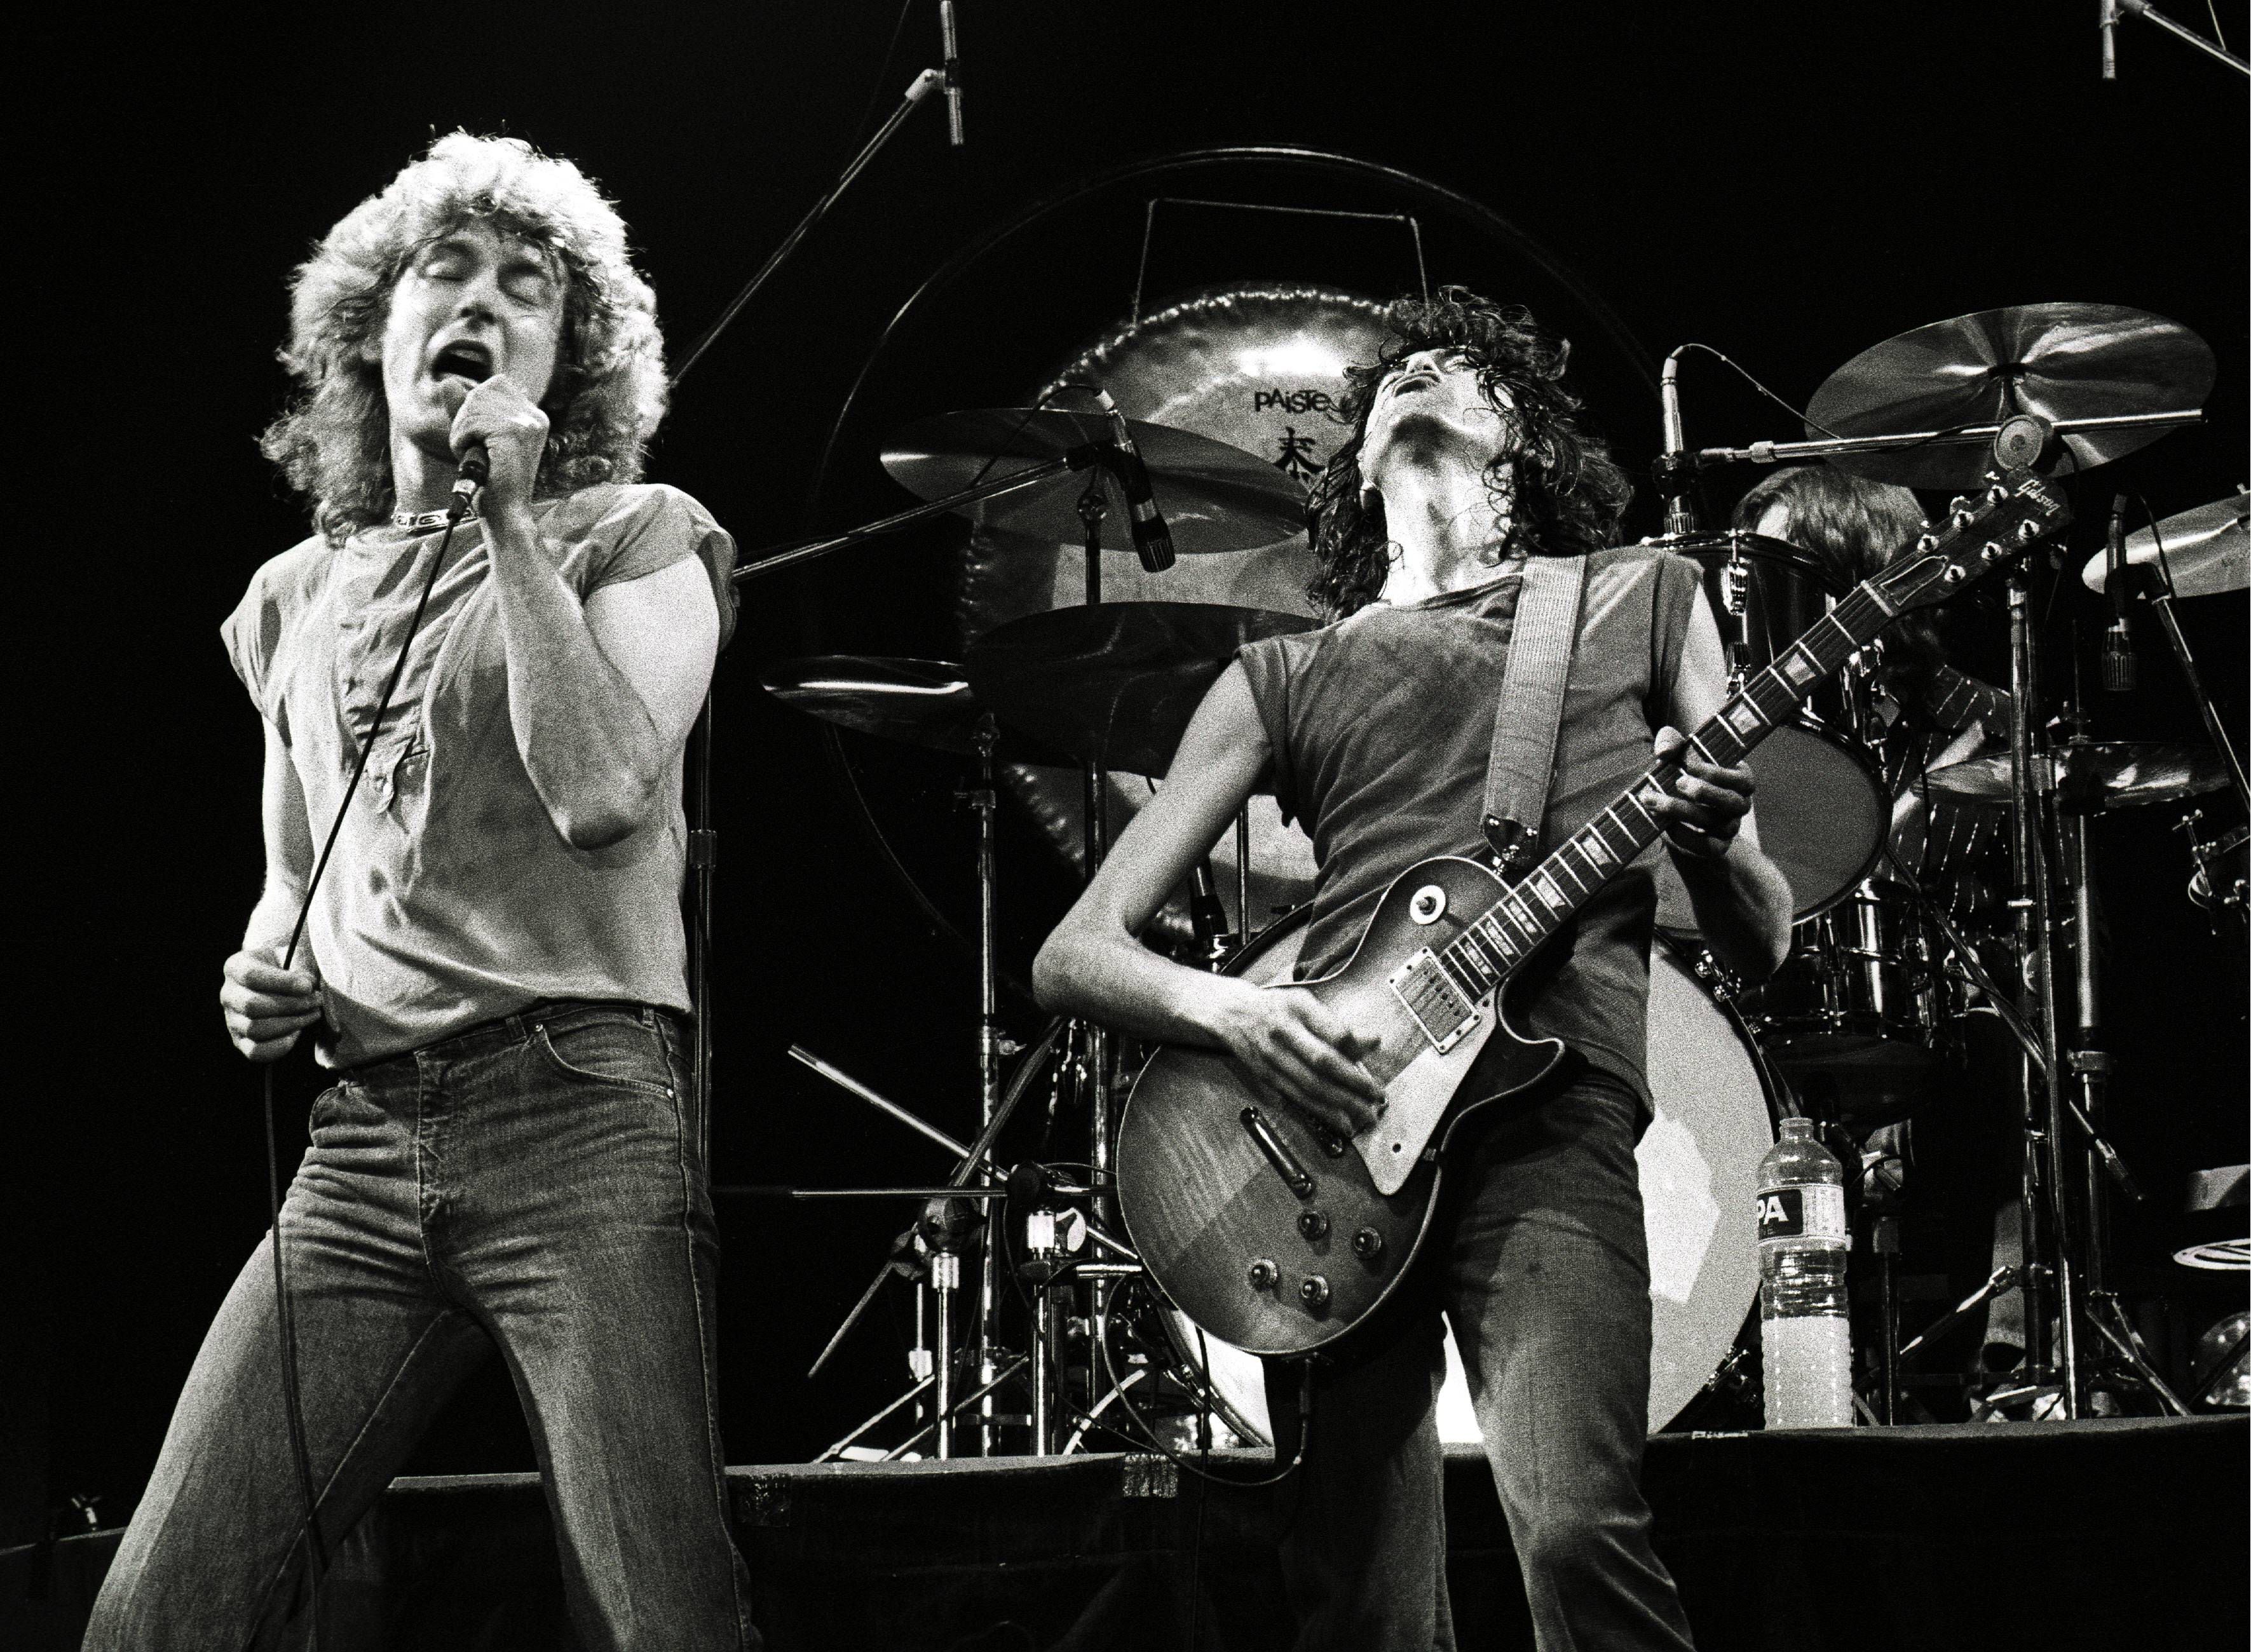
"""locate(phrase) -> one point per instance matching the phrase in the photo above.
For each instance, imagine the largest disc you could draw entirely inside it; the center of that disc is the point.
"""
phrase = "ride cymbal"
(2057, 361)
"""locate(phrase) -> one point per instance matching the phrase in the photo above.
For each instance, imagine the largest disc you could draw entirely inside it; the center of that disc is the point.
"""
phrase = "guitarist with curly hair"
(1466, 459)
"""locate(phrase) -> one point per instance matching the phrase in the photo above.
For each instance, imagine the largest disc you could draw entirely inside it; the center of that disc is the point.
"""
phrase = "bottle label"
(1815, 1211)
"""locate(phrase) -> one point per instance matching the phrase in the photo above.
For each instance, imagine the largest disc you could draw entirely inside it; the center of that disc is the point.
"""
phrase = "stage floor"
(2107, 1534)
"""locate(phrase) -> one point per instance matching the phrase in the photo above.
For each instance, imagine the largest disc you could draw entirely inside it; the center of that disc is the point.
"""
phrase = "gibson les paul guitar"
(1278, 1235)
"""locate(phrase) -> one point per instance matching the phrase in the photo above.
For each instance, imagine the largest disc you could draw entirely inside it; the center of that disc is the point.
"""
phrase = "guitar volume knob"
(1368, 1244)
(1312, 1224)
(1313, 1291)
(1263, 1275)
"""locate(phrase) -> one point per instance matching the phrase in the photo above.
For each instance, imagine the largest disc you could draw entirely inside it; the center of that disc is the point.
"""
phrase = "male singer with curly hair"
(493, 965)
(1466, 458)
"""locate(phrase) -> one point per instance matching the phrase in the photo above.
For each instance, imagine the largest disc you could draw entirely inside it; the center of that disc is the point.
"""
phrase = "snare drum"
(1699, 1162)
(1823, 807)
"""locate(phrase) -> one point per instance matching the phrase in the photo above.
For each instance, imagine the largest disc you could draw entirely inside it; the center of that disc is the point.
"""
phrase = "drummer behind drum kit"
(1855, 1028)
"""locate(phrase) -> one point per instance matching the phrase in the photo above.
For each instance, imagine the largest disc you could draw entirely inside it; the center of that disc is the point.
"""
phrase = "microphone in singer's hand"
(1152, 539)
(472, 468)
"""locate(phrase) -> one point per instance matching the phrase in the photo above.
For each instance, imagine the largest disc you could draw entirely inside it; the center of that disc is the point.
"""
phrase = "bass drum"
(1698, 1159)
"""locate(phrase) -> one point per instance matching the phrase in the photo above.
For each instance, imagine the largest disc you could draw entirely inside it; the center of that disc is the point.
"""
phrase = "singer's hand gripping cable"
(284, 1316)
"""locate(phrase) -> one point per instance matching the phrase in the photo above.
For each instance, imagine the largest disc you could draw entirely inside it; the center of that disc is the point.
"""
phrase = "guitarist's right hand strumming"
(1286, 1043)
(1293, 1046)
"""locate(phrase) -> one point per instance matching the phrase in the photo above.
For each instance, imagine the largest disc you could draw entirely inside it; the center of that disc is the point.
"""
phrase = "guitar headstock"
(1980, 532)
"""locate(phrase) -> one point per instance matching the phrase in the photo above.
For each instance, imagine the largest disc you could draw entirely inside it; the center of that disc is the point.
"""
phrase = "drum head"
(1699, 1162)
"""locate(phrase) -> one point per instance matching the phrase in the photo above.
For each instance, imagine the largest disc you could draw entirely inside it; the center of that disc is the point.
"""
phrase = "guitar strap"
(1531, 709)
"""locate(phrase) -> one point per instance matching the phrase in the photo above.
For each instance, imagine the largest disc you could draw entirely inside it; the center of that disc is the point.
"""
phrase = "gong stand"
(1091, 509)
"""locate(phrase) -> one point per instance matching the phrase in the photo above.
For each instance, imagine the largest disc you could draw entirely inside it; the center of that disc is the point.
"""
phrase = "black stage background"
(1789, 184)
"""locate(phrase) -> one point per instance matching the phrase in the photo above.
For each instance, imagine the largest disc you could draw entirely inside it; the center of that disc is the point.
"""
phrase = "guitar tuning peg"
(1925, 545)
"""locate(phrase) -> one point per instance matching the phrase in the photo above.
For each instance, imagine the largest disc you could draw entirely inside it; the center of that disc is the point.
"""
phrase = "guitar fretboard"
(1479, 959)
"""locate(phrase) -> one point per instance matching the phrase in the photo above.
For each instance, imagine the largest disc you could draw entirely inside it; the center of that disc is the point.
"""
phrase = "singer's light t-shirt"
(452, 899)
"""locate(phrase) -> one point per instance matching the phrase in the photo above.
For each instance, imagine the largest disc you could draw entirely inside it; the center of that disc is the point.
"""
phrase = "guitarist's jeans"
(535, 1184)
(1539, 1259)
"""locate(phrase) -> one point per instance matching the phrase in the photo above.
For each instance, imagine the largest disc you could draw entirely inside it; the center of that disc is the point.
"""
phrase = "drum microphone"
(952, 60)
(1152, 539)
(2118, 667)
(1675, 469)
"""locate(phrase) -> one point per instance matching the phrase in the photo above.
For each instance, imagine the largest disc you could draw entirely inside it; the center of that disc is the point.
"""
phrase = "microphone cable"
(293, 1402)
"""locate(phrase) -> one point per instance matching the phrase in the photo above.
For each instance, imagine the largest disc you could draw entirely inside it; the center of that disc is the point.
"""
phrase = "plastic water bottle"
(1803, 1243)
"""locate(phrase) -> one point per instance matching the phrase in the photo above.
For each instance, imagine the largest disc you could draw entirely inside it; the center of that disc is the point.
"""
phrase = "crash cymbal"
(1214, 497)
(2207, 549)
(2059, 361)
(1115, 683)
(2092, 774)
(924, 703)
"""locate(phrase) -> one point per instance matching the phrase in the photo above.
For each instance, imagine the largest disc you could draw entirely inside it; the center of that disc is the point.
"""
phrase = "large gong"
(1260, 368)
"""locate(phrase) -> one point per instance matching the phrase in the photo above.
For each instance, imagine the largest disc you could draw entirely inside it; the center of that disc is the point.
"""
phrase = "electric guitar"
(1276, 1233)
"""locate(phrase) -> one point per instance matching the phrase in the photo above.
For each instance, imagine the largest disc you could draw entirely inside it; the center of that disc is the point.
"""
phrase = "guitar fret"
(1798, 667)
(1594, 849)
(1497, 935)
(1483, 949)
(1465, 979)
(1559, 864)
(1526, 920)
(1634, 841)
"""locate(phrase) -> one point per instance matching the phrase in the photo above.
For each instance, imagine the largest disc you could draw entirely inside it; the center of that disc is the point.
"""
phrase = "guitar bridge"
(1430, 997)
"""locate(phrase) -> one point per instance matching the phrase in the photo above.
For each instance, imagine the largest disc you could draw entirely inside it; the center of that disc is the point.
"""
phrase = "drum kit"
(1929, 884)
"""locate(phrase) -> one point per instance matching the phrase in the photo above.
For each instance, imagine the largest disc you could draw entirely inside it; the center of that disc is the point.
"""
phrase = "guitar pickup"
(1437, 1004)
(1277, 1153)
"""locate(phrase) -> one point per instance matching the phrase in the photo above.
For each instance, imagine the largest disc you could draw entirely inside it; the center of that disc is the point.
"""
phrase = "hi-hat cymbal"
(2057, 361)
(1115, 683)
(2092, 774)
(924, 703)
(2207, 549)
(1214, 497)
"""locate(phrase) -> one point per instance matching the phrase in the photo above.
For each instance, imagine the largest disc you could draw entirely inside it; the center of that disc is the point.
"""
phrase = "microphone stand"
(2148, 13)
(1957, 436)
(703, 838)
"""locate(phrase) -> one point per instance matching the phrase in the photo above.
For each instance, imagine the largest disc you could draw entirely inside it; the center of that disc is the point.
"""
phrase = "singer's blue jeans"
(536, 1184)
(1538, 1257)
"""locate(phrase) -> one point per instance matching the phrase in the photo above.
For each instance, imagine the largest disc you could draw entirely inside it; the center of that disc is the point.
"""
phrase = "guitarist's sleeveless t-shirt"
(1381, 725)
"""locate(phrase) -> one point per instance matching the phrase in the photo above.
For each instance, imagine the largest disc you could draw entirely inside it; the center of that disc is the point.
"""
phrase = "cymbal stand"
(2049, 1281)
(983, 800)
(1091, 506)
(2090, 1065)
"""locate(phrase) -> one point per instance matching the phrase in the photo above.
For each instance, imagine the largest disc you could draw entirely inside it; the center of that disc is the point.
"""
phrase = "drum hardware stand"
(1091, 506)
(2049, 1280)
(983, 800)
